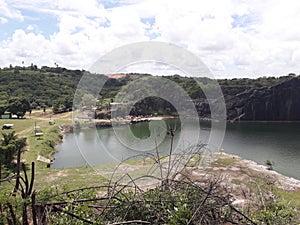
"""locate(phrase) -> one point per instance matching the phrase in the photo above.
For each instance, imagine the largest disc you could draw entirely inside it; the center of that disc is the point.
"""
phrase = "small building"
(5, 116)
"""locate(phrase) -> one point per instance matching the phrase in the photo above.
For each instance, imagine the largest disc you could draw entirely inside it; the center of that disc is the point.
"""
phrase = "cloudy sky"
(234, 38)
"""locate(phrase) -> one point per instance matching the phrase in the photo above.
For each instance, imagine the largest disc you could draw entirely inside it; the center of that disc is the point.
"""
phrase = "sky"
(234, 38)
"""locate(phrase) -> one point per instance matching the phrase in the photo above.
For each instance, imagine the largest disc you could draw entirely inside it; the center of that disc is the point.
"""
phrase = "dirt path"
(47, 115)
(24, 132)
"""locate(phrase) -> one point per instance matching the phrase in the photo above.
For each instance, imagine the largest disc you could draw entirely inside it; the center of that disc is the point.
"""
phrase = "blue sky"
(234, 38)
(36, 22)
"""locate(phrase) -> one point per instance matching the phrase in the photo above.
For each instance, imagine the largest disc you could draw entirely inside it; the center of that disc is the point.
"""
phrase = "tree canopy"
(18, 106)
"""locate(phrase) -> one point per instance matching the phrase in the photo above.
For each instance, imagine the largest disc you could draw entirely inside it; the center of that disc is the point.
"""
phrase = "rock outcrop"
(276, 103)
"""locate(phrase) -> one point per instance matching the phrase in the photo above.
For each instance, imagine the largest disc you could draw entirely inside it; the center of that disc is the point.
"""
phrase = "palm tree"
(10, 147)
(8, 138)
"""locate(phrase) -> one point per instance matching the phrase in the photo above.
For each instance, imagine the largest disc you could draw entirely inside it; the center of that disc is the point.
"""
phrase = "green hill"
(41, 87)
(32, 88)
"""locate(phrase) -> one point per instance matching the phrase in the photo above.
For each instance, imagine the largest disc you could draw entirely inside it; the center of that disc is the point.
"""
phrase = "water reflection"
(278, 142)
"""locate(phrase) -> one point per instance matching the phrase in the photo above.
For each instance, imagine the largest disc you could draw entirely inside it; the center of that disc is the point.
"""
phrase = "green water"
(278, 142)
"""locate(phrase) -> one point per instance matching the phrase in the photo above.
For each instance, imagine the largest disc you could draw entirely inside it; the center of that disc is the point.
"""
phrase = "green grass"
(236, 181)
(19, 124)
(195, 160)
(141, 161)
(287, 197)
(224, 161)
(72, 178)
(290, 196)
(45, 145)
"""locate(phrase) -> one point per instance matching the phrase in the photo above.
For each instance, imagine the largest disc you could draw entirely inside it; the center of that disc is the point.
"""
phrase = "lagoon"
(258, 141)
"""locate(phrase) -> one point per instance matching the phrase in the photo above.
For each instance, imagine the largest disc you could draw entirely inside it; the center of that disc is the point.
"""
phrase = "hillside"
(275, 103)
(34, 88)
(39, 86)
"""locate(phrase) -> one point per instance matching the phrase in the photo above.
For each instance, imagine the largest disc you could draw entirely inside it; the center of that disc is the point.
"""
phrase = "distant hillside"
(55, 87)
(280, 102)
(239, 106)
(47, 87)
(39, 86)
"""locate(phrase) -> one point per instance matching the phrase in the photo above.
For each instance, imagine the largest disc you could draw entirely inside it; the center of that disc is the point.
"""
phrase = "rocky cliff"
(276, 103)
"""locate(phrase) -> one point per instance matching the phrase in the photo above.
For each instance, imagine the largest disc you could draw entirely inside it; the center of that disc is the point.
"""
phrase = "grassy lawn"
(19, 125)
(71, 178)
(44, 145)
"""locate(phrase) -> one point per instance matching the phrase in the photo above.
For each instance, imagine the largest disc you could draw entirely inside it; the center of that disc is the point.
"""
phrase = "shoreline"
(98, 123)
(285, 180)
(65, 129)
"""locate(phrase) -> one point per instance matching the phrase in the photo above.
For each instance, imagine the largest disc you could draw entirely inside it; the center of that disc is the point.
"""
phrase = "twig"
(9, 178)
(72, 215)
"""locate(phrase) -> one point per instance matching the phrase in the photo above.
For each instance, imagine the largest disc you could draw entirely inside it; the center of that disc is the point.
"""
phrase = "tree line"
(25, 88)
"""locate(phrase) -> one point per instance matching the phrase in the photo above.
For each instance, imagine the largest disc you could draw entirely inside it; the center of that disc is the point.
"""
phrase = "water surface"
(278, 142)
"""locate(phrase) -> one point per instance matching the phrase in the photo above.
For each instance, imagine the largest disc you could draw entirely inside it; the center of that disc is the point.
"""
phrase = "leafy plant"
(276, 213)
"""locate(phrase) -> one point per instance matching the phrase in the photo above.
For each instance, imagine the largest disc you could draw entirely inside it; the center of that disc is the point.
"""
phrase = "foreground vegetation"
(176, 198)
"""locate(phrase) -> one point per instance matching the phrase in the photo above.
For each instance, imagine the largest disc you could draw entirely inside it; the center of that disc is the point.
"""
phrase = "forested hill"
(31, 87)
(55, 86)
(41, 87)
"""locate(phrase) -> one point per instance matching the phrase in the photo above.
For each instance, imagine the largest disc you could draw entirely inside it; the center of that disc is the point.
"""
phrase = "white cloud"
(233, 37)
(153, 68)
(27, 47)
(30, 27)
(87, 7)
(3, 20)
(9, 12)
